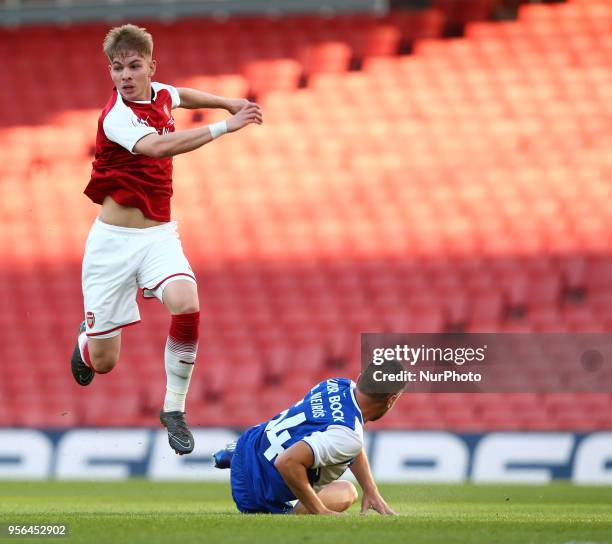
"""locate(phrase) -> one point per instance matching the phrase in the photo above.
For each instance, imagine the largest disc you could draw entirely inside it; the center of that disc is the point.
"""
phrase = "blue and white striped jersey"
(328, 419)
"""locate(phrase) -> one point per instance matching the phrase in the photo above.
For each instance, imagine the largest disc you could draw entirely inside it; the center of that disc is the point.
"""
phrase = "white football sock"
(179, 361)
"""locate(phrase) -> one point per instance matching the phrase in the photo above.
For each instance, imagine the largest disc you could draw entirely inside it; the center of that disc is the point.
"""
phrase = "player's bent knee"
(350, 493)
(103, 363)
(339, 495)
(186, 307)
(354, 495)
(181, 297)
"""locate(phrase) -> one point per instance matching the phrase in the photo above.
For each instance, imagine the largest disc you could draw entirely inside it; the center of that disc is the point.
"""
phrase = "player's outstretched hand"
(234, 105)
(375, 502)
(246, 116)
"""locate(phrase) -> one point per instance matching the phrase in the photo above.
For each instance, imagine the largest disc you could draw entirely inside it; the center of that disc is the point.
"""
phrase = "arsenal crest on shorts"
(91, 319)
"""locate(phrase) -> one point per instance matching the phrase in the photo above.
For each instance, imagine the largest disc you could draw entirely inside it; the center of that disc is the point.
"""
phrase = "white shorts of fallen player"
(118, 262)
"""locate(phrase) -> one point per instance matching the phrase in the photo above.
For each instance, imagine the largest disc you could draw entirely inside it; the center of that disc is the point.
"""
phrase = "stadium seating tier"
(464, 187)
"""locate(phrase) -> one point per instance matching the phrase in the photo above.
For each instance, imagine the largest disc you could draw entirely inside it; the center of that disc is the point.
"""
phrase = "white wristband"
(218, 129)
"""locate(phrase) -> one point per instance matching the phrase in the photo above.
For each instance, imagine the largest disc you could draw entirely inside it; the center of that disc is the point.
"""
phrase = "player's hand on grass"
(246, 116)
(374, 501)
(329, 512)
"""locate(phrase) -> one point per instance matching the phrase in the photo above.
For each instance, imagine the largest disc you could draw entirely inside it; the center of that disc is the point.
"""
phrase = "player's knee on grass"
(347, 495)
(339, 495)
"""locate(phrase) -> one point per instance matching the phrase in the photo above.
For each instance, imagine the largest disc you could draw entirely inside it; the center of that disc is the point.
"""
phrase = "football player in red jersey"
(134, 244)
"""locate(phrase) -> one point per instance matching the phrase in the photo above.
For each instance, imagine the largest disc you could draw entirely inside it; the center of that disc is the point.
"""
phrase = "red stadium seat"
(281, 74)
(325, 57)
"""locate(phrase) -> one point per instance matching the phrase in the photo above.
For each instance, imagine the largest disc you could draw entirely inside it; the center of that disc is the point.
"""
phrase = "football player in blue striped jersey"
(302, 452)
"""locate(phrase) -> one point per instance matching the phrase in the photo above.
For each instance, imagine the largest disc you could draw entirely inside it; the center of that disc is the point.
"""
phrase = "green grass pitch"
(140, 511)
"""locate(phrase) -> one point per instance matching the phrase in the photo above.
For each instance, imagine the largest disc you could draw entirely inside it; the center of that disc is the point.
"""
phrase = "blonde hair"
(128, 38)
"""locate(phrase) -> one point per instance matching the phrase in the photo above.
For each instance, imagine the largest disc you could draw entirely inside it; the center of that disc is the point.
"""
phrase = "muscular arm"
(175, 143)
(194, 99)
(371, 496)
(361, 470)
(292, 465)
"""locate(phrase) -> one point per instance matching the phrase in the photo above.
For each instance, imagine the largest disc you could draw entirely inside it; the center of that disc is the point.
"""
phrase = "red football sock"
(179, 356)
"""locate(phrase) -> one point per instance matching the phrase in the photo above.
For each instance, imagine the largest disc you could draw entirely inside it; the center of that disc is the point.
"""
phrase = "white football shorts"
(119, 261)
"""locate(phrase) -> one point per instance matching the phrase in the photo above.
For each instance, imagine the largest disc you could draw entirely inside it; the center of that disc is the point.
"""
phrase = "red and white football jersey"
(131, 179)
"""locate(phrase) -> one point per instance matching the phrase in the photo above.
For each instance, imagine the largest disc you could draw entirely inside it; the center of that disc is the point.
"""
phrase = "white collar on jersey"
(145, 101)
